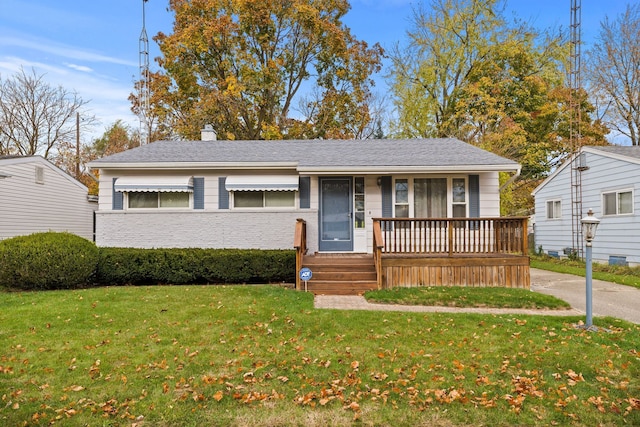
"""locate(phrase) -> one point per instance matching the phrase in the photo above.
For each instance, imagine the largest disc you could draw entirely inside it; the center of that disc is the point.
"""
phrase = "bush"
(49, 260)
(128, 266)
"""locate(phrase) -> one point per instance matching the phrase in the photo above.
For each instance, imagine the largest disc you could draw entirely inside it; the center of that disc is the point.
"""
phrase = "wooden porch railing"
(452, 236)
(378, 245)
(300, 245)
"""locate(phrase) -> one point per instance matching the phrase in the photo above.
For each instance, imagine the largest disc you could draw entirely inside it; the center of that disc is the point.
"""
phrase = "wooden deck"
(478, 252)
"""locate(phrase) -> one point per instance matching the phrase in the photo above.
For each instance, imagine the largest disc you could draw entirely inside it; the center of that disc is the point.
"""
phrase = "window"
(358, 198)
(617, 202)
(264, 199)
(554, 209)
(402, 198)
(431, 198)
(154, 199)
(459, 195)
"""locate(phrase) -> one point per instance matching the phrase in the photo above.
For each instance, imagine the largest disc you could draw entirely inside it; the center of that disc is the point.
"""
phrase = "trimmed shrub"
(128, 266)
(48, 260)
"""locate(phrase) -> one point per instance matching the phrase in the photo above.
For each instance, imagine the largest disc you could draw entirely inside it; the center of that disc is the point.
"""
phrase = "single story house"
(37, 196)
(609, 184)
(252, 194)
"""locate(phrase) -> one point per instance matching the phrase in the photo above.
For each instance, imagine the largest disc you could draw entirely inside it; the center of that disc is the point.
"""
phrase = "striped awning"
(262, 183)
(154, 183)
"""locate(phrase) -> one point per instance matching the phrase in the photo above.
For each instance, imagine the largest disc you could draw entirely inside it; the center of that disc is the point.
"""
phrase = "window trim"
(617, 196)
(450, 203)
(126, 200)
(554, 201)
(294, 206)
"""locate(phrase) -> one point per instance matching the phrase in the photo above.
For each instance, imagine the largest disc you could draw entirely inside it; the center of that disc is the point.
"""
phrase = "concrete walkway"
(609, 299)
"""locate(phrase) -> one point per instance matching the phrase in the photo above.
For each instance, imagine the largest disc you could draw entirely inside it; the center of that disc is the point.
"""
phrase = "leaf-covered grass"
(263, 356)
(629, 276)
(457, 296)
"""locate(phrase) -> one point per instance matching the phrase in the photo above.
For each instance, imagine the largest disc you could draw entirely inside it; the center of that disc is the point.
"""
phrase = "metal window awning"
(154, 183)
(262, 183)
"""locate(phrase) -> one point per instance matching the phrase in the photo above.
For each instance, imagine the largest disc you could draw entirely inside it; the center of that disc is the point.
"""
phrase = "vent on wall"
(582, 162)
(39, 175)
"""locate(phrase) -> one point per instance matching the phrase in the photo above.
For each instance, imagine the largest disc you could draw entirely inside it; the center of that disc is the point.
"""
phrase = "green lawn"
(629, 276)
(259, 355)
(458, 296)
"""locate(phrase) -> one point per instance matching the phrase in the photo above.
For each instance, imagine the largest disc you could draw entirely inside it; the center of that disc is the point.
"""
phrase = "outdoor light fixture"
(589, 227)
(379, 181)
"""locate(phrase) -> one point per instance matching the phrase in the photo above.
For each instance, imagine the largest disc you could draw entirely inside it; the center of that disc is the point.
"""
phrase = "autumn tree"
(35, 117)
(614, 72)
(242, 65)
(468, 73)
(116, 138)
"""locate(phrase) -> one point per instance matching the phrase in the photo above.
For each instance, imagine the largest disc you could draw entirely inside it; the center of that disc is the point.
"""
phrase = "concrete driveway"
(609, 299)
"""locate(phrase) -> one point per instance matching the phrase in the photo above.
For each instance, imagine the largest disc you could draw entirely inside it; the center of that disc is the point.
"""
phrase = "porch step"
(340, 274)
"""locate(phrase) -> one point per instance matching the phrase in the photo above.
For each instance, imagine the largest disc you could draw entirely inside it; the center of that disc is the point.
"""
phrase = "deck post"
(300, 245)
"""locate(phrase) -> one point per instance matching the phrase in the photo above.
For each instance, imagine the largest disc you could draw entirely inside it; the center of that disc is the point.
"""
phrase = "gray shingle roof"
(437, 152)
(629, 151)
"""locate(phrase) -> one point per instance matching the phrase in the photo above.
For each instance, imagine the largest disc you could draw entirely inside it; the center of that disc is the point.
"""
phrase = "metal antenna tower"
(143, 90)
(577, 163)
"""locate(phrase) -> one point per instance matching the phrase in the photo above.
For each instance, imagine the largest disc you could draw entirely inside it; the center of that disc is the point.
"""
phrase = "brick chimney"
(208, 133)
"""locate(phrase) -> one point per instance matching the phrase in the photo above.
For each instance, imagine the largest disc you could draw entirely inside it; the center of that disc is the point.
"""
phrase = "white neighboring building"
(611, 188)
(37, 196)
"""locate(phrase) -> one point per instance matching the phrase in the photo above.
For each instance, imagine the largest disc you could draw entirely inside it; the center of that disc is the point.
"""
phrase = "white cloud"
(62, 50)
(80, 68)
(107, 96)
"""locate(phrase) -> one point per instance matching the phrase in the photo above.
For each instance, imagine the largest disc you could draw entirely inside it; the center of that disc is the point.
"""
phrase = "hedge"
(128, 266)
(50, 260)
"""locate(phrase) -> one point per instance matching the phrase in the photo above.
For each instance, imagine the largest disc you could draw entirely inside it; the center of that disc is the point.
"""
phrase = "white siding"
(489, 195)
(554, 234)
(58, 204)
(617, 235)
(229, 228)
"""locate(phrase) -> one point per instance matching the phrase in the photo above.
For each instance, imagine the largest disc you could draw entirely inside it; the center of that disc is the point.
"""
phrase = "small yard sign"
(305, 275)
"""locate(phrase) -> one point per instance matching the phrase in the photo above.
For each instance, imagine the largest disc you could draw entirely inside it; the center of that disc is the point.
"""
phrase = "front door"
(336, 218)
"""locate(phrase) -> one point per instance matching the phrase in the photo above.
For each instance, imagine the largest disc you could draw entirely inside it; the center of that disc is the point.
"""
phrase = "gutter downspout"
(510, 181)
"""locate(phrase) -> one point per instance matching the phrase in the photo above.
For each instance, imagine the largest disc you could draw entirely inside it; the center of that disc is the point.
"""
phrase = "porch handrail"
(453, 236)
(378, 245)
(300, 245)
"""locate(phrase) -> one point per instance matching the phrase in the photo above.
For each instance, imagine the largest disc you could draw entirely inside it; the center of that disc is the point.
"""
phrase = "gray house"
(363, 214)
(249, 194)
(610, 180)
(37, 196)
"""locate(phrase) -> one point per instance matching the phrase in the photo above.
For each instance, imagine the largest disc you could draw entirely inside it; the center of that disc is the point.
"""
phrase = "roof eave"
(193, 165)
(324, 170)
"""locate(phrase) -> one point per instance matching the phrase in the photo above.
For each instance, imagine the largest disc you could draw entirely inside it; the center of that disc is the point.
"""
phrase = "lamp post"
(589, 227)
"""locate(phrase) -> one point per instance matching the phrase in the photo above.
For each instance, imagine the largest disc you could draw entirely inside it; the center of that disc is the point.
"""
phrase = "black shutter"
(116, 198)
(223, 194)
(386, 188)
(304, 188)
(198, 193)
(474, 200)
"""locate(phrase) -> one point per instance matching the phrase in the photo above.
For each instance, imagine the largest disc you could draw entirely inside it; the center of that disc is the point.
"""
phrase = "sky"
(92, 47)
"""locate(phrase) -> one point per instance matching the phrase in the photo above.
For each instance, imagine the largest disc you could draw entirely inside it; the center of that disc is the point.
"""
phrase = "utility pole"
(143, 94)
(77, 145)
(575, 137)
